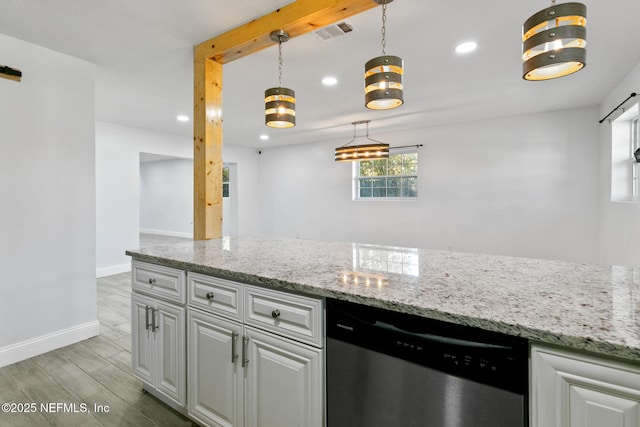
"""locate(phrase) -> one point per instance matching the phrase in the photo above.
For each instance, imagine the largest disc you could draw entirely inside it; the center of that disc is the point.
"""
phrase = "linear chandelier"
(279, 102)
(554, 41)
(370, 151)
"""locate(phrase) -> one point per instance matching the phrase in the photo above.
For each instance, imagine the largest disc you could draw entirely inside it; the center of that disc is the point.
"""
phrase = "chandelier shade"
(362, 152)
(554, 42)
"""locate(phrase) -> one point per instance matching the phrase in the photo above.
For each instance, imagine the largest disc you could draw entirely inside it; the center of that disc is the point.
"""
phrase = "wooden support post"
(297, 18)
(207, 150)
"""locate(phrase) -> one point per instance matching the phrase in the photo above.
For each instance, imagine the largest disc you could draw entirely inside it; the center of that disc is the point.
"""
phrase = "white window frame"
(226, 183)
(356, 179)
(625, 171)
(635, 168)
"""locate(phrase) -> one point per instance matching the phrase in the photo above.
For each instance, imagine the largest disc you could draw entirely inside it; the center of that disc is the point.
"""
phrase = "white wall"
(244, 169)
(521, 185)
(47, 202)
(118, 151)
(620, 221)
(166, 196)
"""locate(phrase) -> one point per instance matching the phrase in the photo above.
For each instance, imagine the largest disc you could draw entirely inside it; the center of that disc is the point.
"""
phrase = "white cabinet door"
(158, 346)
(284, 384)
(215, 370)
(170, 352)
(142, 342)
(577, 390)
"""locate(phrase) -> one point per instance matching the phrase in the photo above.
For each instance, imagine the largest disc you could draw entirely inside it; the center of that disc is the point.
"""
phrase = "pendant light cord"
(280, 62)
(384, 27)
(366, 135)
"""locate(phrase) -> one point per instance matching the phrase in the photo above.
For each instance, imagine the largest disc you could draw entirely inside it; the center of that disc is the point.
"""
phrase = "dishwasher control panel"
(487, 357)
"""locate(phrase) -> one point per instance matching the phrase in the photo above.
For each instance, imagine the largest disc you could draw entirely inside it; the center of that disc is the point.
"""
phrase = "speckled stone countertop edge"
(576, 343)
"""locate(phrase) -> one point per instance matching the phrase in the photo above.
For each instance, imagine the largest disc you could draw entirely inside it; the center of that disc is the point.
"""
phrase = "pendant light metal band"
(280, 102)
(554, 41)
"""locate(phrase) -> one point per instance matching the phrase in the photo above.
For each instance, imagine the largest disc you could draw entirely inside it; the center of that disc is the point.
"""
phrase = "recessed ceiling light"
(264, 137)
(183, 118)
(466, 47)
(329, 81)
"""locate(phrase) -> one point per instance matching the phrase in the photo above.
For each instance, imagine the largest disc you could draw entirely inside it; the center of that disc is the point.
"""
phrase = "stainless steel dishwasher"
(390, 369)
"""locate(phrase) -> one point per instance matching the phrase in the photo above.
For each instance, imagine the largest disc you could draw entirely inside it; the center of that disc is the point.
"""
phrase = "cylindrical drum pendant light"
(280, 107)
(383, 82)
(279, 102)
(383, 75)
(554, 41)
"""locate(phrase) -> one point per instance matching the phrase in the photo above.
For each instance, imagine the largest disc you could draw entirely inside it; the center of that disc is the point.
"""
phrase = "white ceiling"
(143, 53)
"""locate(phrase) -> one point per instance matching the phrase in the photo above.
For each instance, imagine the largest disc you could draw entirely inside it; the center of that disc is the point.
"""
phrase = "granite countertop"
(587, 307)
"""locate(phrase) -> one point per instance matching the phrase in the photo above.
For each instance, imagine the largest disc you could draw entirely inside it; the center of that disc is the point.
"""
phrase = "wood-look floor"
(96, 371)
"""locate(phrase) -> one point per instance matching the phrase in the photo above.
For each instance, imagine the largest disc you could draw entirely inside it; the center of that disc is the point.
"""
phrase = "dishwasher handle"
(367, 324)
(449, 341)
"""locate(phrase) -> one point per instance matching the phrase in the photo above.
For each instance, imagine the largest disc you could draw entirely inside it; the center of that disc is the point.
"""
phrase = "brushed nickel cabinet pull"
(275, 314)
(234, 340)
(154, 326)
(209, 296)
(146, 317)
(245, 358)
(152, 280)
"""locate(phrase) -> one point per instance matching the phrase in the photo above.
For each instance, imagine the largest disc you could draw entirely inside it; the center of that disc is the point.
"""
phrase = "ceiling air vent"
(334, 31)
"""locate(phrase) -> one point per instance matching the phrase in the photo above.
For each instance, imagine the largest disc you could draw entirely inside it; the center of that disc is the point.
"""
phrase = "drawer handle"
(275, 314)
(209, 295)
(152, 280)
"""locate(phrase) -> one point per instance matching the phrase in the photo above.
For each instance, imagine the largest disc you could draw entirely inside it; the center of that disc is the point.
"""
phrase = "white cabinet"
(216, 376)
(158, 338)
(157, 280)
(579, 390)
(284, 382)
(293, 316)
(250, 371)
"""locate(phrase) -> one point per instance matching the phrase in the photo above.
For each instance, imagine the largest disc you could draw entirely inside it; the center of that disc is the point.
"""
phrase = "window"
(392, 178)
(225, 181)
(625, 171)
(635, 145)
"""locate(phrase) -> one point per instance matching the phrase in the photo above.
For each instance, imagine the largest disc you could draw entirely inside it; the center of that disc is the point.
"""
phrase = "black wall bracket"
(10, 73)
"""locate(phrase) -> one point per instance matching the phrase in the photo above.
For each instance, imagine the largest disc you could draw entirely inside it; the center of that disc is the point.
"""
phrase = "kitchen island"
(594, 308)
(260, 300)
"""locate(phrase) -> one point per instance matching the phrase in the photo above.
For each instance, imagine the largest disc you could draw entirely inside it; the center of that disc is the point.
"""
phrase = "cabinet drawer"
(215, 295)
(286, 314)
(160, 281)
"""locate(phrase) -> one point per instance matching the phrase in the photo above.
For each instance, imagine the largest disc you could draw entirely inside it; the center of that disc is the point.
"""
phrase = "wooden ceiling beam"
(297, 18)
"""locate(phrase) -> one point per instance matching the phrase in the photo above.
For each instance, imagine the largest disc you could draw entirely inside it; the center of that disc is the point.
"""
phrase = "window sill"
(627, 202)
(386, 199)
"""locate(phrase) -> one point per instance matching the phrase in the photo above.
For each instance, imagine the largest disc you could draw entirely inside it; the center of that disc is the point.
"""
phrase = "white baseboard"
(43, 344)
(167, 233)
(111, 270)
